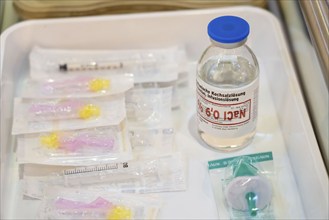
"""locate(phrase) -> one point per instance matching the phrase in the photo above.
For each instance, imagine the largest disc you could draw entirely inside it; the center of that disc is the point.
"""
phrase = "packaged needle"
(76, 147)
(47, 115)
(243, 186)
(59, 203)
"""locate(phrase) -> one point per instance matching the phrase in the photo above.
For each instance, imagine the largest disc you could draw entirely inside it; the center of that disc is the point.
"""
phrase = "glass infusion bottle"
(227, 86)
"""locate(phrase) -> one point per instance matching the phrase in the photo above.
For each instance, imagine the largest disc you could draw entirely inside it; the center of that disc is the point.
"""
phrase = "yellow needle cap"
(97, 85)
(50, 141)
(119, 213)
(89, 111)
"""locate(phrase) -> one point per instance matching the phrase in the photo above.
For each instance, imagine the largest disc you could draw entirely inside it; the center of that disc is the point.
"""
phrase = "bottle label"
(227, 113)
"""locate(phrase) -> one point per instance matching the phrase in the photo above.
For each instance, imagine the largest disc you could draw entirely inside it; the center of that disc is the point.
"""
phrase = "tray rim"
(316, 153)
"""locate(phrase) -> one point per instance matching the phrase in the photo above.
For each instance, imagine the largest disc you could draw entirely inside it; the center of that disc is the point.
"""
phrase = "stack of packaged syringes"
(95, 134)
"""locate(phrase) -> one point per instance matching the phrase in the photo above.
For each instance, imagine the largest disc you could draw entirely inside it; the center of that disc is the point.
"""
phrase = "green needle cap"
(251, 200)
(243, 167)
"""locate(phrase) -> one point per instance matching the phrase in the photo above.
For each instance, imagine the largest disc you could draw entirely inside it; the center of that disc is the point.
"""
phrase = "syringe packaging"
(162, 174)
(61, 203)
(161, 66)
(153, 65)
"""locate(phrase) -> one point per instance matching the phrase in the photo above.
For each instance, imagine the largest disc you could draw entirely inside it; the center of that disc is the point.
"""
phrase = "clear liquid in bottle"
(227, 87)
(233, 73)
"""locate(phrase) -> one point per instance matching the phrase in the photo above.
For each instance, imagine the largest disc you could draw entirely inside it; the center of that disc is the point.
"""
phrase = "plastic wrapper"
(149, 107)
(46, 115)
(152, 142)
(157, 66)
(243, 186)
(150, 122)
(76, 147)
(159, 174)
(153, 65)
(90, 85)
(60, 203)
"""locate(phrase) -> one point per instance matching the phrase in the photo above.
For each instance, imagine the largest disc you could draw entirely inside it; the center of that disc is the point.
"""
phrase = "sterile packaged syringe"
(148, 65)
(159, 174)
(159, 67)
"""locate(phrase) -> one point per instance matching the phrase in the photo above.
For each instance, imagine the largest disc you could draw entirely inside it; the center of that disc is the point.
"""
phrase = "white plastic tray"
(301, 185)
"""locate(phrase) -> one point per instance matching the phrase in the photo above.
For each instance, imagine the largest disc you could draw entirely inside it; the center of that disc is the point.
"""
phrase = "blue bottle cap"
(228, 29)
